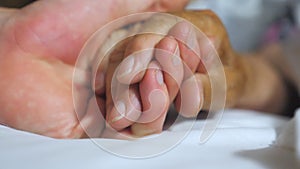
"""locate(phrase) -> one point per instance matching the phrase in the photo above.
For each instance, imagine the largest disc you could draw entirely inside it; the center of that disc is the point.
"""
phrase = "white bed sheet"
(244, 139)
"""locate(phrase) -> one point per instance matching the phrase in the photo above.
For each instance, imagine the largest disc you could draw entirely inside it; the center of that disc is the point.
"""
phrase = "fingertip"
(132, 69)
(181, 30)
(190, 101)
(168, 43)
(185, 35)
(138, 55)
(125, 110)
(116, 117)
(155, 102)
(125, 72)
(154, 94)
(141, 130)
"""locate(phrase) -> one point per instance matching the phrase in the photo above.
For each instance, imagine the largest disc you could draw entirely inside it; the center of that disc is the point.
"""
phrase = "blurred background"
(253, 22)
(14, 3)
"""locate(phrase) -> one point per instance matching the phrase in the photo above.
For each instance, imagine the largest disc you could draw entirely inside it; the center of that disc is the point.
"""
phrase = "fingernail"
(176, 58)
(120, 108)
(159, 77)
(126, 66)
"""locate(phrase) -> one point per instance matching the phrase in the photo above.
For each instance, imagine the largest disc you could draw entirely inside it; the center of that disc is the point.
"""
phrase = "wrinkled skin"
(39, 45)
(246, 85)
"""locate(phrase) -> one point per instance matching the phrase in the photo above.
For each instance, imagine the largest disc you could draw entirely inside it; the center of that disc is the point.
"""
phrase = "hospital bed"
(243, 139)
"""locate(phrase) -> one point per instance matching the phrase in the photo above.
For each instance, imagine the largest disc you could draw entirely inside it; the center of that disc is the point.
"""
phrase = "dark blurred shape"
(14, 3)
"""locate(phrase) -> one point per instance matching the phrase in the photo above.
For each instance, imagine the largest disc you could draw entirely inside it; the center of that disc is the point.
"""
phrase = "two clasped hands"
(40, 43)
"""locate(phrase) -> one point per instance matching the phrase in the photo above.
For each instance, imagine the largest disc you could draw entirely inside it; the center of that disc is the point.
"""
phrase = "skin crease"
(246, 87)
(38, 53)
(39, 45)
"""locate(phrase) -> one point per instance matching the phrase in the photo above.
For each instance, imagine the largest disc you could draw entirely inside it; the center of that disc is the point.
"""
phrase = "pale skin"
(39, 45)
(38, 65)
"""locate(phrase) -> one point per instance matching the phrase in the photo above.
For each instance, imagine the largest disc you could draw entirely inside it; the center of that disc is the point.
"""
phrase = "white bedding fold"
(243, 139)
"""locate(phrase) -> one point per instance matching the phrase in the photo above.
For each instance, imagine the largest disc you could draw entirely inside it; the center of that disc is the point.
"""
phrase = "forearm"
(264, 89)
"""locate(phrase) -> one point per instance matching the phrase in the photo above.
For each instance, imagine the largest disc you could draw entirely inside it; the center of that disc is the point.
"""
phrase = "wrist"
(264, 88)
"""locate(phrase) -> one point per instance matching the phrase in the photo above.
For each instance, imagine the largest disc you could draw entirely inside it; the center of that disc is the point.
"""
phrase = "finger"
(167, 54)
(188, 45)
(120, 135)
(139, 53)
(188, 103)
(209, 55)
(193, 95)
(212, 28)
(110, 61)
(126, 109)
(93, 121)
(155, 100)
(123, 103)
(81, 90)
(98, 85)
(115, 57)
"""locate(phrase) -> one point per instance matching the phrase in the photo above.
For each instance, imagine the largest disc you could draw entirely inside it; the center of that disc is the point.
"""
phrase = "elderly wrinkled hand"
(176, 68)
